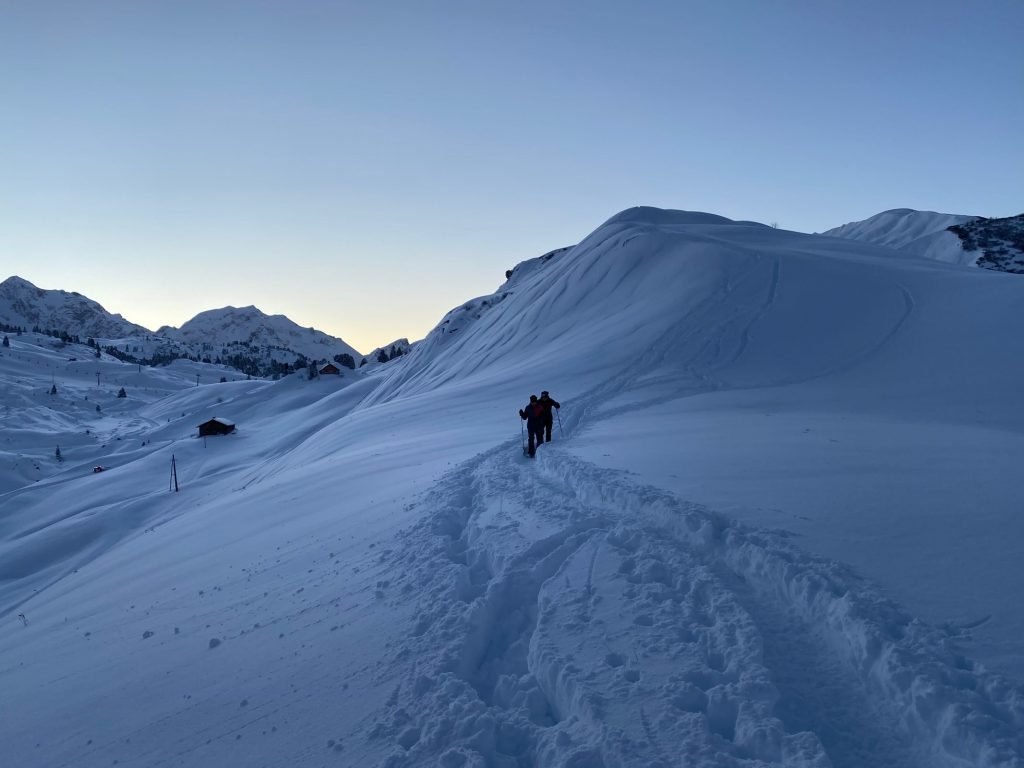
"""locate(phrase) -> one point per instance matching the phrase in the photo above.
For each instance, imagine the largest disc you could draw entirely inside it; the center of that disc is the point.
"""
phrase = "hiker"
(533, 415)
(547, 404)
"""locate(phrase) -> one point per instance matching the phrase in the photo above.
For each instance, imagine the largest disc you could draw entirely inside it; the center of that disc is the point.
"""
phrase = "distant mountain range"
(264, 345)
(219, 331)
(23, 304)
(245, 338)
(996, 244)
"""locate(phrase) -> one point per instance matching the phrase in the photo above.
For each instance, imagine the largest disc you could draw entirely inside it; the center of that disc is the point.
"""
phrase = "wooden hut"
(216, 426)
(330, 370)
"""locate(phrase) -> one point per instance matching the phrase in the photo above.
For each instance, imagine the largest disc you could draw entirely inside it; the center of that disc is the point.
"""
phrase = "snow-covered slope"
(218, 329)
(920, 233)
(777, 527)
(26, 306)
(57, 395)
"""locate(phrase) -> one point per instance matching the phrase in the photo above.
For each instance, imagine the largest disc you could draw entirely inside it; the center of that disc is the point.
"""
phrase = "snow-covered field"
(779, 524)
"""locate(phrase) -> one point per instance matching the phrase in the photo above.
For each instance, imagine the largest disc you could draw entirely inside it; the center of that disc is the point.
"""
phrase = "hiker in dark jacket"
(533, 415)
(547, 404)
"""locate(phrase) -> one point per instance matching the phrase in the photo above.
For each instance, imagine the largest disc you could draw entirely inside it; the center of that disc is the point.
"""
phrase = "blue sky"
(363, 167)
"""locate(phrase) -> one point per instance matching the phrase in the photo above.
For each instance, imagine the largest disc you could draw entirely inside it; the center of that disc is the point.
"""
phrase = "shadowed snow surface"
(777, 526)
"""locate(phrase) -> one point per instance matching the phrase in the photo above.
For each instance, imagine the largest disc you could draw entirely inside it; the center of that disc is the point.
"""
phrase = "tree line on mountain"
(384, 355)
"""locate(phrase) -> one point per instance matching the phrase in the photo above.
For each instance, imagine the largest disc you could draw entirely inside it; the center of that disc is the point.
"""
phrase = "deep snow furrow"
(476, 581)
(652, 630)
(820, 693)
(556, 599)
(950, 709)
(524, 640)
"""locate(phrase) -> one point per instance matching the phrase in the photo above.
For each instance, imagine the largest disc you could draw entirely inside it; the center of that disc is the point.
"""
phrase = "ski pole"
(559, 415)
(522, 431)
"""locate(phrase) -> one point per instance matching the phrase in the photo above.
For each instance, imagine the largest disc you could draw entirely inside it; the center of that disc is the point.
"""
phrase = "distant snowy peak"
(918, 233)
(249, 326)
(899, 227)
(24, 305)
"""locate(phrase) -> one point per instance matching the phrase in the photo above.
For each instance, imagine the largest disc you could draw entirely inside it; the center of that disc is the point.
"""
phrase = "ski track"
(569, 617)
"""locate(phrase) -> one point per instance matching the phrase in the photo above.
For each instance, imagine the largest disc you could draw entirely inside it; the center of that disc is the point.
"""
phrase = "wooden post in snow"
(174, 474)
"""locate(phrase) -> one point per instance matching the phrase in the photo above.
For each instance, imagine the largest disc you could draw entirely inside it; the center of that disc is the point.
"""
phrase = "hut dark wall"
(216, 427)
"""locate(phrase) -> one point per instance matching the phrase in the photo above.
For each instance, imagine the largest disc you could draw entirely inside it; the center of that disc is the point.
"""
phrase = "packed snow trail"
(565, 616)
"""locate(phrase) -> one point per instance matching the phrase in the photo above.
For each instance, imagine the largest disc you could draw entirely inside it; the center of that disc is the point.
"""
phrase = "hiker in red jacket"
(547, 404)
(533, 415)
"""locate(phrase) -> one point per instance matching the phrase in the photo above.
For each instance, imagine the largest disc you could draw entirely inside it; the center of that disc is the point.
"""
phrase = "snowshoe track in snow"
(568, 617)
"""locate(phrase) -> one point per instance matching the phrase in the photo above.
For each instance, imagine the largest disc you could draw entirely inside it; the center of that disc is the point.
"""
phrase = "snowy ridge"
(215, 329)
(245, 338)
(918, 233)
(24, 305)
(898, 228)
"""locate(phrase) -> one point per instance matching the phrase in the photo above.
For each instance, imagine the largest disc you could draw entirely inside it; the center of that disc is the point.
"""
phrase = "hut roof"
(219, 420)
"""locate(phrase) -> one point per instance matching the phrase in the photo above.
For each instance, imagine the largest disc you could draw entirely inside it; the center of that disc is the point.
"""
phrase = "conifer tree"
(7, 342)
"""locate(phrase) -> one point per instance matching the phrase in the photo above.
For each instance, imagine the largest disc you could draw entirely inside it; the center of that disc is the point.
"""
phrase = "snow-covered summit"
(918, 233)
(244, 337)
(24, 305)
(219, 328)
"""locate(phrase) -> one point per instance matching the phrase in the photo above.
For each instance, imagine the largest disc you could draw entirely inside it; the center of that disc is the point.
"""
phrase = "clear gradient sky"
(363, 167)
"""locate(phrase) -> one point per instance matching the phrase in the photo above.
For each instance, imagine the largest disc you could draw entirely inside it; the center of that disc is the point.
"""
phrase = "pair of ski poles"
(522, 429)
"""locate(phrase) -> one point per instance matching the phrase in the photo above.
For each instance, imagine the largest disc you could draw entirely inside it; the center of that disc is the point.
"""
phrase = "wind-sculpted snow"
(776, 527)
(649, 279)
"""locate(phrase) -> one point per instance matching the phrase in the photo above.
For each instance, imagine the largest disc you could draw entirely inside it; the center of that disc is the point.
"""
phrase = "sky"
(364, 167)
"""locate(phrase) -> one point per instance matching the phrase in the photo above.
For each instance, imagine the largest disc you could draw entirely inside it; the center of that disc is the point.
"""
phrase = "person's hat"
(544, 393)
(533, 398)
